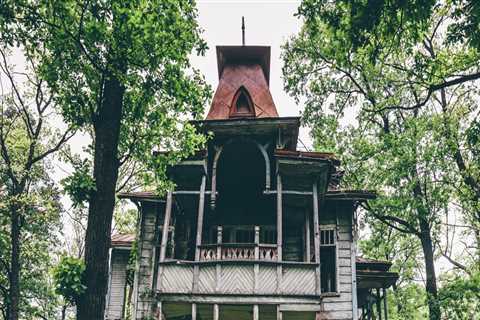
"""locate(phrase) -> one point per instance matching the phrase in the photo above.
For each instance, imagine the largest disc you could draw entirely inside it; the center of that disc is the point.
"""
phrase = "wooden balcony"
(239, 277)
(238, 251)
(239, 269)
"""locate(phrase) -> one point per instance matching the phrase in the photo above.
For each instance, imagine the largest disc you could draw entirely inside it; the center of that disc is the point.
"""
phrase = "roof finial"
(243, 31)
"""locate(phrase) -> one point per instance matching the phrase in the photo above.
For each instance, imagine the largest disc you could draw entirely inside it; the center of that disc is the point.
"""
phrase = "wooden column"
(216, 312)
(164, 241)
(166, 226)
(159, 310)
(379, 305)
(279, 232)
(279, 313)
(385, 303)
(198, 241)
(194, 311)
(218, 267)
(255, 312)
(308, 256)
(316, 234)
(256, 267)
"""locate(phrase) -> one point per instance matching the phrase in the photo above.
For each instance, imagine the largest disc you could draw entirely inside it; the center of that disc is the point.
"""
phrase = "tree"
(397, 143)
(29, 210)
(122, 71)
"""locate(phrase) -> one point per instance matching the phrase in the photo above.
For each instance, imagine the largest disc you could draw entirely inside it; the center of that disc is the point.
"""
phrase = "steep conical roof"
(243, 90)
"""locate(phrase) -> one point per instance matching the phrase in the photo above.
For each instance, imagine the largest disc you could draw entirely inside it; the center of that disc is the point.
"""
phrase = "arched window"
(242, 105)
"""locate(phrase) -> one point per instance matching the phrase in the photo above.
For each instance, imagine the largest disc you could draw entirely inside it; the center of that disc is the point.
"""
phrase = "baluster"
(257, 242)
(219, 242)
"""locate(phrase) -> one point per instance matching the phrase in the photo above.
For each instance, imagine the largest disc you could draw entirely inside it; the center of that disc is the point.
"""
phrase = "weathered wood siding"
(339, 307)
(116, 288)
(144, 277)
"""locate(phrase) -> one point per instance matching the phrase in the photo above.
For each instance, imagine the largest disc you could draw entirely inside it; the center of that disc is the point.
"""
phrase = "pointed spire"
(243, 31)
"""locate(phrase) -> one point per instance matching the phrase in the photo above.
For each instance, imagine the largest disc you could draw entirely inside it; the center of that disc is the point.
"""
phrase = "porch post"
(379, 305)
(308, 256)
(279, 217)
(166, 226)
(198, 242)
(194, 311)
(279, 313)
(216, 312)
(385, 303)
(256, 267)
(316, 234)
(279, 232)
(255, 312)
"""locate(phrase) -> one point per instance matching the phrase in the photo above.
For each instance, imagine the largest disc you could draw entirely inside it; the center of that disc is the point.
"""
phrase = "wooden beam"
(316, 234)
(216, 312)
(166, 226)
(218, 267)
(159, 310)
(385, 303)
(279, 313)
(194, 311)
(198, 240)
(218, 152)
(255, 312)
(279, 232)
(256, 267)
(307, 237)
(294, 192)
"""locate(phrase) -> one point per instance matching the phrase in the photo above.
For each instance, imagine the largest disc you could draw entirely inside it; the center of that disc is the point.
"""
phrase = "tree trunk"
(14, 277)
(101, 205)
(431, 283)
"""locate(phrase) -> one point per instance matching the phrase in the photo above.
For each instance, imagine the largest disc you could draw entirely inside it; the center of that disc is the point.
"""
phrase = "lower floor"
(199, 311)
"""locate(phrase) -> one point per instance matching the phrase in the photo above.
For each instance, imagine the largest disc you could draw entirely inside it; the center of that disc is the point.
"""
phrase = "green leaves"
(68, 278)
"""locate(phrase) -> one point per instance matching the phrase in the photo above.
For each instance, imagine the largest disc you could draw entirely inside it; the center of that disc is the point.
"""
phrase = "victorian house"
(254, 229)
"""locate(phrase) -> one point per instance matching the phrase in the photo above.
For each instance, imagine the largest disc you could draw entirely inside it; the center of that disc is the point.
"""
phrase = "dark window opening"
(328, 269)
(242, 105)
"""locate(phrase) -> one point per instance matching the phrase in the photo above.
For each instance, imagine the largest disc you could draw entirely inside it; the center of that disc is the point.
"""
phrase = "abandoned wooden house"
(254, 229)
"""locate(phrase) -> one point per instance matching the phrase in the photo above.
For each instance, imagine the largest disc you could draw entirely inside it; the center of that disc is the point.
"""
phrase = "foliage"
(121, 72)
(80, 184)
(68, 278)
(396, 114)
(460, 297)
(360, 24)
(29, 200)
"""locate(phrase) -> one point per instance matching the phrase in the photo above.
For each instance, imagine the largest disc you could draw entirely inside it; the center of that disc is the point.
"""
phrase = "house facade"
(254, 229)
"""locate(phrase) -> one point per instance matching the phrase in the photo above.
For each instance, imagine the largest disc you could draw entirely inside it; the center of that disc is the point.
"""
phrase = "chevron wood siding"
(239, 279)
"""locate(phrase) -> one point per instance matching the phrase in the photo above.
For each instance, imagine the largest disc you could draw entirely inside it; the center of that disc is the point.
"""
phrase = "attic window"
(242, 105)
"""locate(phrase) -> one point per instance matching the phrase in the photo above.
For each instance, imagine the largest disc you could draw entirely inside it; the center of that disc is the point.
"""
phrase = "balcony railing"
(238, 251)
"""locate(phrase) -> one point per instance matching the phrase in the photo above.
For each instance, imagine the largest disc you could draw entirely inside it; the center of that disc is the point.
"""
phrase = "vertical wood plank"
(216, 312)
(218, 267)
(379, 305)
(194, 311)
(166, 225)
(255, 312)
(307, 237)
(279, 217)
(316, 234)
(279, 313)
(385, 303)
(279, 232)
(201, 206)
(159, 310)
(256, 268)
(218, 152)
(198, 240)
